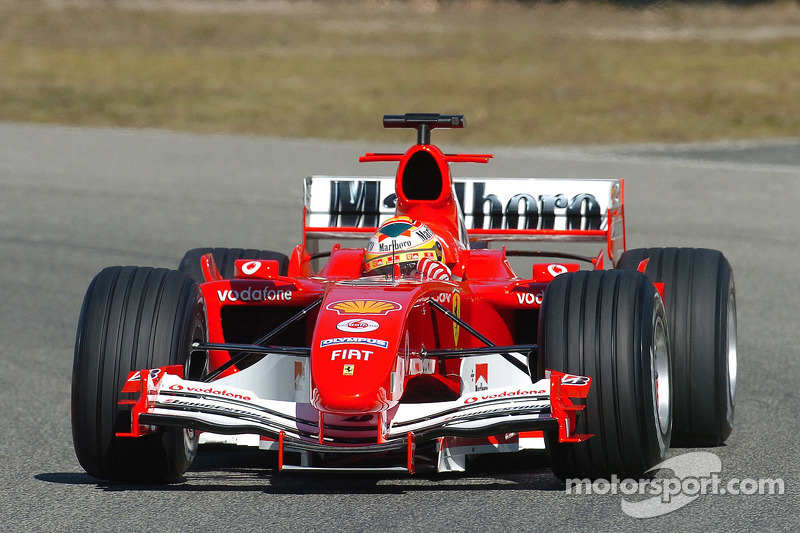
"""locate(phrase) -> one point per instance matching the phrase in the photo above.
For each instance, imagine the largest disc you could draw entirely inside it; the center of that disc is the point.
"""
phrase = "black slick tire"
(132, 318)
(610, 326)
(700, 299)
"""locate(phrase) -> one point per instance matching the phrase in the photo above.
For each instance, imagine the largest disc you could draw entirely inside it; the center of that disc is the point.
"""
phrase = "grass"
(522, 74)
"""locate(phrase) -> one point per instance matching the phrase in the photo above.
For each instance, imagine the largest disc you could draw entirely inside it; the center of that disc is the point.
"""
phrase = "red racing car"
(419, 346)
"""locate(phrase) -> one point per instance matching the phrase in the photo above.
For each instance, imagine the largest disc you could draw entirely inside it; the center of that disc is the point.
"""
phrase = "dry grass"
(523, 75)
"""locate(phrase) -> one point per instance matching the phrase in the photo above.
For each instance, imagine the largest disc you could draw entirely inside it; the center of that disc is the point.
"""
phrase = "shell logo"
(364, 307)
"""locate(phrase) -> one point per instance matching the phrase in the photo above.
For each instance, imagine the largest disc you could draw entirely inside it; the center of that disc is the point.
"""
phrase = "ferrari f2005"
(420, 346)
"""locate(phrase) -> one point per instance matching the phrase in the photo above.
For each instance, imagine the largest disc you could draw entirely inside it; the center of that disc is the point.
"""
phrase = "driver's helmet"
(403, 242)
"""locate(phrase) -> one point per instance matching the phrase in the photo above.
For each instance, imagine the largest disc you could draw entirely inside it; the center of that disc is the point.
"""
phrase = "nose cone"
(354, 352)
(352, 374)
(359, 347)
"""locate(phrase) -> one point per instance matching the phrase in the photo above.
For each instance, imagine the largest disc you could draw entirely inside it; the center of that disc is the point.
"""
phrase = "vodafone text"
(211, 390)
(529, 298)
(254, 295)
(504, 394)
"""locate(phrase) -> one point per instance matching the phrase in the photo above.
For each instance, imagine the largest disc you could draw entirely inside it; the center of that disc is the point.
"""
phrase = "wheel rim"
(732, 356)
(661, 377)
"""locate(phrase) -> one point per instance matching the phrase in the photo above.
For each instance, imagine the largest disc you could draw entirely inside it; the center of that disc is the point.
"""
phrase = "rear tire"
(610, 326)
(700, 298)
(132, 318)
(225, 258)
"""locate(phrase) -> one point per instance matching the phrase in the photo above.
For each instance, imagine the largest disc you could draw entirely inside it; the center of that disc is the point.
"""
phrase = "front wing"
(165, 399)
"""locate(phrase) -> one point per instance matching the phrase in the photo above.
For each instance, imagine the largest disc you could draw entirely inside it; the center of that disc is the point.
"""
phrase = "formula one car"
(420, 346)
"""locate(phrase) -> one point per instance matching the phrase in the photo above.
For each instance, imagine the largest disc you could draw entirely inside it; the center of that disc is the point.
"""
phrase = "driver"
(405, 247)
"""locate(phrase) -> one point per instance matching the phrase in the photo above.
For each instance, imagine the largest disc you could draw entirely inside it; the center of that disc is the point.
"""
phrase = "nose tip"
(358, 403)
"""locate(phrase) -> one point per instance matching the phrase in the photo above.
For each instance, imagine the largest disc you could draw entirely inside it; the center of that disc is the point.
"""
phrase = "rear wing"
(494, 209)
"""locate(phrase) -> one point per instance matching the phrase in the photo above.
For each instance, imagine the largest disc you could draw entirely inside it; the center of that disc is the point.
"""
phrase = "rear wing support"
(423, 123)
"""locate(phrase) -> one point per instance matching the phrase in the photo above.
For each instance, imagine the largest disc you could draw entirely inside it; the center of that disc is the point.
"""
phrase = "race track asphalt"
(73, 201)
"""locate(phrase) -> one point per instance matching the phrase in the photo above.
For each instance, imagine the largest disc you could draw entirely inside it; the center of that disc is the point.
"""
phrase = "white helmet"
(403, 242)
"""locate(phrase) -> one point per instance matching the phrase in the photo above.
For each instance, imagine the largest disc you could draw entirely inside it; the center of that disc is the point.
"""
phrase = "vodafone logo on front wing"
(357, 325)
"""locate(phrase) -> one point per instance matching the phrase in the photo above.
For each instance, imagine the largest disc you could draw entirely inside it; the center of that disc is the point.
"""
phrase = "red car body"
(353, 367)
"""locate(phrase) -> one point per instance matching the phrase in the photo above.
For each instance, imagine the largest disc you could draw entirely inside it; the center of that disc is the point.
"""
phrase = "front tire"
(132, 318)
(700, 297)
(610, 326)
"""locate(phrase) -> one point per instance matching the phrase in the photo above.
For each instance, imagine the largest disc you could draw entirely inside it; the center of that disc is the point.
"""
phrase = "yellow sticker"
(457, 312)
(348, 370)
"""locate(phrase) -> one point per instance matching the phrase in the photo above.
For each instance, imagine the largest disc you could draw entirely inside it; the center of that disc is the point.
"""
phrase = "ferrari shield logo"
(348, 370)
